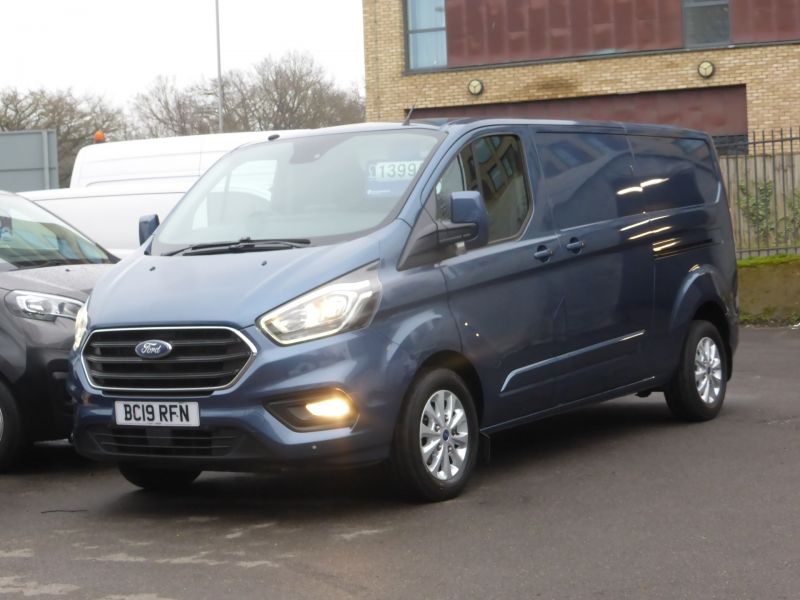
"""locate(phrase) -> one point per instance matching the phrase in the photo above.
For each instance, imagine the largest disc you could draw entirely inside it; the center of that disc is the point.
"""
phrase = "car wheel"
(12, 434)
(697, 391)
(436, 440)
(158, 480)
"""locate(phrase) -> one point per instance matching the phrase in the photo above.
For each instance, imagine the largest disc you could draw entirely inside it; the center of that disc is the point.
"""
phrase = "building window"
(706, 22)
(427, 38)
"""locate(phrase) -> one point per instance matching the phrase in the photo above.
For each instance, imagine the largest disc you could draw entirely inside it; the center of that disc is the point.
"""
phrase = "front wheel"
(158, 480)
(697, 391)
(436, 441)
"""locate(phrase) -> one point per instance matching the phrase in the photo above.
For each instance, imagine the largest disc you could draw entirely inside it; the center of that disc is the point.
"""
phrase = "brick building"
(725, 66)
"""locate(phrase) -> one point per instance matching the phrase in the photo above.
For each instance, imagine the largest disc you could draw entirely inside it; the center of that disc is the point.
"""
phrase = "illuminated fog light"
(331, 408)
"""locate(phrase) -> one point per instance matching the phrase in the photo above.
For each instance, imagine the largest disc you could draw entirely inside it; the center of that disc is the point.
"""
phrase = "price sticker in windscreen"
(397, 170)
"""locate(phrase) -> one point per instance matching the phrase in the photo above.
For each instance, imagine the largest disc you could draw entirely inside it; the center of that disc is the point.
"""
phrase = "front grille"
(202, 359)
(158, 441)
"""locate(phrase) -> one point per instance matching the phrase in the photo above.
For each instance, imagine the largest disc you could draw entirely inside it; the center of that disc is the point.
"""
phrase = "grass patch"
(768, 321)
(775, 259)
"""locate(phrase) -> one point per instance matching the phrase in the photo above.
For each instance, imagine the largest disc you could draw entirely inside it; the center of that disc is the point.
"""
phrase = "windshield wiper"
(243, 245)
(41, 263)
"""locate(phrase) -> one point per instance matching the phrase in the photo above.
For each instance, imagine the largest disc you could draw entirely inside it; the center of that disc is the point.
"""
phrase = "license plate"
(157, 414)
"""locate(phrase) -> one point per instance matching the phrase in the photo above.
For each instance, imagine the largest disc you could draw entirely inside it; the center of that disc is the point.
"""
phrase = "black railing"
(762, 176)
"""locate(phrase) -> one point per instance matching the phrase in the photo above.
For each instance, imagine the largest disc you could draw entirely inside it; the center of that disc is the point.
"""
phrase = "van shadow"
(57, 458)
(308, 496)
(585, 430)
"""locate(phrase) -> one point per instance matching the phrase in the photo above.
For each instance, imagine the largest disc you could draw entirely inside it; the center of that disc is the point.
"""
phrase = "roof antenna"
(408, 116)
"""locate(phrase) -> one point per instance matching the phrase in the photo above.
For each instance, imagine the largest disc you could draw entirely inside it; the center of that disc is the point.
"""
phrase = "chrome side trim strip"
(554, 359)
(239, 334)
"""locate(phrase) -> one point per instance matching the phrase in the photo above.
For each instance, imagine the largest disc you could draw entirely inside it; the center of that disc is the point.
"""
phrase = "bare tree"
(166, 109)
(75, 119)
(295, 93)
(290, 93)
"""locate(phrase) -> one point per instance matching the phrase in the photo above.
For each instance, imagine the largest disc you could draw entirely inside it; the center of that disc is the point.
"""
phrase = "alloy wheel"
(708, 370)
(443, 435)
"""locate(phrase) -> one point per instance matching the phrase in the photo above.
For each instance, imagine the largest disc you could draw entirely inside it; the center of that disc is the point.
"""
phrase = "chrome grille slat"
(203, 359)
(131, 344)
(160, 376)
(181, 359)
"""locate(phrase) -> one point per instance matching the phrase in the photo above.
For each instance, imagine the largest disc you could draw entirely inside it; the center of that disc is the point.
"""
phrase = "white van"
(175, 160)
(115, 183)
(109, 214)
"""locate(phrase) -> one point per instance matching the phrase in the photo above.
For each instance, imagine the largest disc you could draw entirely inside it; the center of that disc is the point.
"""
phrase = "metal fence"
(762, 176)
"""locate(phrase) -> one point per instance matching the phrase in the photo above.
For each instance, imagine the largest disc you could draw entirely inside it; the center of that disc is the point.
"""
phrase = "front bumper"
(36, 364)
(237, 430)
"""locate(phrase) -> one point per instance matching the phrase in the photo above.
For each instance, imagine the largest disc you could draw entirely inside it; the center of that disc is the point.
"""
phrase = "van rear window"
(589, 177)
(674, 172)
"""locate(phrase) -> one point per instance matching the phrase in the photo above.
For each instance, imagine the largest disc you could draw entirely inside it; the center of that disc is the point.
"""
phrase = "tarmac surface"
(615, 501)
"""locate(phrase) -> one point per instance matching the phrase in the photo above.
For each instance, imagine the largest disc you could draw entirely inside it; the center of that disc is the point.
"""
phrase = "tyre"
(436, 440)
(12, 433)
(697, 391)
(158, 480)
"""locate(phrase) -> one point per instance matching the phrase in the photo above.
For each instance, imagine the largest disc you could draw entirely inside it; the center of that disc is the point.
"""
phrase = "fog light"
(315, 411)
(331, 408)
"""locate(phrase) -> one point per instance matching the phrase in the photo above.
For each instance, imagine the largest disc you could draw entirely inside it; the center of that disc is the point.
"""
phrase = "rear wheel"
(697, 391)
(158, 480)
(436, 441)
(12, 434)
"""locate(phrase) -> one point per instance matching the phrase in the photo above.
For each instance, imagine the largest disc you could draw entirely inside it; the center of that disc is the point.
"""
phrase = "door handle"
(543, 253)
(575, 245)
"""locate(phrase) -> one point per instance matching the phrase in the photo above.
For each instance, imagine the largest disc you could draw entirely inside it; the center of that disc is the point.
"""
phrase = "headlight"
(342, 305)
(81, 323)
(43, 307)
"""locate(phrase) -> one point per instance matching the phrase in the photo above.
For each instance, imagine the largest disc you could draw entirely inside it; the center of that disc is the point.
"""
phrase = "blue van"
(397, 292)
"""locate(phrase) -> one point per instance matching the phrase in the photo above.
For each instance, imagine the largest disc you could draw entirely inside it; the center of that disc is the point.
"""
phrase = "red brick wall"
(719, 110)
(483, 32)
(500, 31)
(764, 20)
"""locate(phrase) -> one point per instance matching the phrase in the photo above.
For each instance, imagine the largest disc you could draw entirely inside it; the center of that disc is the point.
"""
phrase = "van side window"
(589, 177)
(495, 166)
(678, 171)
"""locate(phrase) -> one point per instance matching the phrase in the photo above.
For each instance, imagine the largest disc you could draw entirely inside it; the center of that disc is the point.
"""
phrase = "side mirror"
(469, 221)
(147, 227)
(432, 241)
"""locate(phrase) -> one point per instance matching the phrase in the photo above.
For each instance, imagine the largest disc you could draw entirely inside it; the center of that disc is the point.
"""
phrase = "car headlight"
(343, 305)
(81, 324)
(42, 307)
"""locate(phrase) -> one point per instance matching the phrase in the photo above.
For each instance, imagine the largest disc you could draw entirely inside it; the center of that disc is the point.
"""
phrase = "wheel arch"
(714, 314)
(702, 297)
(461, 366)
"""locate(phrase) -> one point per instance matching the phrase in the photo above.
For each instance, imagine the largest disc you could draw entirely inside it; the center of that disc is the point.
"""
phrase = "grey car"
(47, 269)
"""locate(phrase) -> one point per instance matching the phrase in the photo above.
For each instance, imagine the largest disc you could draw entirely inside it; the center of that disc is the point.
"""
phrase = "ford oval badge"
(153, 349)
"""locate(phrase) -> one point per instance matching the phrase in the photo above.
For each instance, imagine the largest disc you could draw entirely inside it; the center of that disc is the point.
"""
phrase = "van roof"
(172, 157)
(173, 145)
(463, 124)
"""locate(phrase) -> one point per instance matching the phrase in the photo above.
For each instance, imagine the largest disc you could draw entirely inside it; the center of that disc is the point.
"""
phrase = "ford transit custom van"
(397, 293)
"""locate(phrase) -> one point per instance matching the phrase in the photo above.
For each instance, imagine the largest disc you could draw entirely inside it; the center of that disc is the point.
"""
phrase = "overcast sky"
(117, 47)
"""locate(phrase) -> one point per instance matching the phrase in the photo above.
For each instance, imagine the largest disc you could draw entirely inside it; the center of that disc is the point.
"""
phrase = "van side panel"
(694, 259)
(605, 266)
(414, 313)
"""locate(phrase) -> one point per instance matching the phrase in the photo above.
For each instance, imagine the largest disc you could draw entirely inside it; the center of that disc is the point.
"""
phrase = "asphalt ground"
(614, 501)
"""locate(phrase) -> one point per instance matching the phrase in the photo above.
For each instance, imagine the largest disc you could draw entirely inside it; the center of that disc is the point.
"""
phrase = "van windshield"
(31, 237)
(314, 188)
